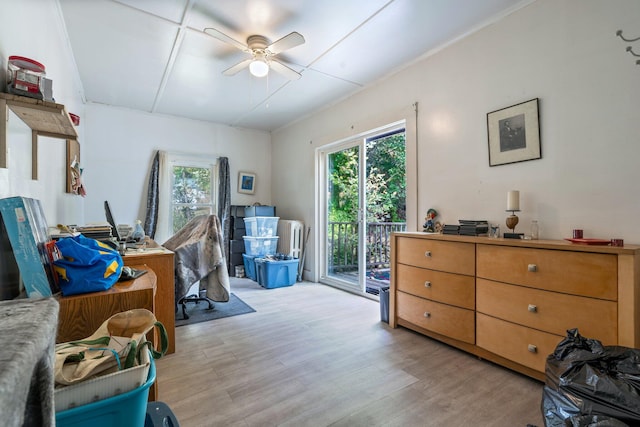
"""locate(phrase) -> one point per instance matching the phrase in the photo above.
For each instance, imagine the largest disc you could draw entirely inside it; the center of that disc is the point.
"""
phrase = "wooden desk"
(80, 315)
(160, 260)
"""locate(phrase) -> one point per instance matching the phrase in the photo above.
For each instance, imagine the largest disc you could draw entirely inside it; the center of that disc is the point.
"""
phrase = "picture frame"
(514, 134)
(246, 182)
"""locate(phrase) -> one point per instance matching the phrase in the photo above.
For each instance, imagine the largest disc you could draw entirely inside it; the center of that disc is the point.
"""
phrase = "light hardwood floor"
(312, 355)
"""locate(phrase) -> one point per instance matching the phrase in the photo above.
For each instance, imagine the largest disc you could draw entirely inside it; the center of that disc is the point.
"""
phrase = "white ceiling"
(152, 55)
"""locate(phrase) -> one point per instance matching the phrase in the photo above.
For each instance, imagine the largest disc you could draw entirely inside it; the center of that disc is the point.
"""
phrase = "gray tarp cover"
(27, 336)
(199, 256)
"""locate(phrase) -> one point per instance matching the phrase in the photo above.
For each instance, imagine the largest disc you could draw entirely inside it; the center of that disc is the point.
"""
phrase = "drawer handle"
(427, 314)
(427, 254)
(532, 268)
(532, 348)
(427, 284)
(532, 308)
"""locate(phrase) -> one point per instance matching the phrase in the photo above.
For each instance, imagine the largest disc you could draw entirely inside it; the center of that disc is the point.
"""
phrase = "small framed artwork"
(246, 182)
(514, 134)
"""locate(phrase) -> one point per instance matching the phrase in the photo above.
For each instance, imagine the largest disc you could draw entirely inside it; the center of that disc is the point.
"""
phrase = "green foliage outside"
(385, 192)
(386, 185)
(191, 194)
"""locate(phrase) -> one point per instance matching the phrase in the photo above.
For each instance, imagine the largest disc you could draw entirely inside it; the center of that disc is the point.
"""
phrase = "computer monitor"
(111, 221)
(114, 226)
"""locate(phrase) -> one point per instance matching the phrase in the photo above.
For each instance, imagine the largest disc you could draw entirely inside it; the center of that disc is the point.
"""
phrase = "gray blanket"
(199, 256)
(27, 340)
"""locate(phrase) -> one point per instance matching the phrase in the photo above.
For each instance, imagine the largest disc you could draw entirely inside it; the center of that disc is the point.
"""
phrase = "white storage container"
(102, 386)
(261, 226)
(260, 246)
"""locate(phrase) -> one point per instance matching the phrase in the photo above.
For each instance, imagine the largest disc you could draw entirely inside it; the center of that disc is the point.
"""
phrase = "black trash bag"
(562, 411)
(585, 378)
(595, 421)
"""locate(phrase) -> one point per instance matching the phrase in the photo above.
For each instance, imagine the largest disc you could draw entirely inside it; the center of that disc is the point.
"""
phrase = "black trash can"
(384, 303)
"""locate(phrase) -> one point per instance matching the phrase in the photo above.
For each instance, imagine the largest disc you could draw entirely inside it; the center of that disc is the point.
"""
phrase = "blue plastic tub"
(250, 266)
(126, 409)
(276, 274)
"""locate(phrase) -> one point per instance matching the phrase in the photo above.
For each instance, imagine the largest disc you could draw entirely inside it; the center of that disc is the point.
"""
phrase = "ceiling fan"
(262, 53)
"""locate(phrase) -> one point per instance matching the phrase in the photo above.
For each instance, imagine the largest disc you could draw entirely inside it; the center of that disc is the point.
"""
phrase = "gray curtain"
(224, 204)
(151, 218)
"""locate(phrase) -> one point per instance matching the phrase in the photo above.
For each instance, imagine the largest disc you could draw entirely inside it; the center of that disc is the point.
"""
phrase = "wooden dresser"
(512, 301)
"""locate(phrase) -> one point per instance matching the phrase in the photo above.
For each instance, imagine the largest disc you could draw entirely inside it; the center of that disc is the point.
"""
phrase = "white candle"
(513, 200)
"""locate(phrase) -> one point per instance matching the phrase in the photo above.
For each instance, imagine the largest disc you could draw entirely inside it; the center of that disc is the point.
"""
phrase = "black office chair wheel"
(196, 299)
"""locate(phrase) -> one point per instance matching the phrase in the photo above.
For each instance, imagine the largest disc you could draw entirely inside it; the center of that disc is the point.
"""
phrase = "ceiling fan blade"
(279, 67)
(239, 66)
(287, 42)
(225, 38)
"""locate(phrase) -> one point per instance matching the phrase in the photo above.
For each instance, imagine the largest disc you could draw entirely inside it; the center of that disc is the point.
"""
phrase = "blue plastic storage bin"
(249, 266)
(126, 409)
(259, 211)
(276, 274)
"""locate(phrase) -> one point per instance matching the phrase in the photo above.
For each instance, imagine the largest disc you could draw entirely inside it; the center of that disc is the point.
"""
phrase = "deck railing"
(343, 244)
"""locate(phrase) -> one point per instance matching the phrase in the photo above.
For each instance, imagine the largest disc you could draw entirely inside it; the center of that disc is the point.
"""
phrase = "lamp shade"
(259, 68)
(513, 200)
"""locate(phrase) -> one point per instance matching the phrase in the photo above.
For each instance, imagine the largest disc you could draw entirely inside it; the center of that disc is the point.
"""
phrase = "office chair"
(199, 257)
(202, 296)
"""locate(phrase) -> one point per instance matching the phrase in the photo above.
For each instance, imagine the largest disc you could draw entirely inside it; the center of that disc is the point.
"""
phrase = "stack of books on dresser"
(474, 227)
(451, 229)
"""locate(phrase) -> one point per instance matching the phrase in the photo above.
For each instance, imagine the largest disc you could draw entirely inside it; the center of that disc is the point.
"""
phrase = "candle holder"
(512, 221)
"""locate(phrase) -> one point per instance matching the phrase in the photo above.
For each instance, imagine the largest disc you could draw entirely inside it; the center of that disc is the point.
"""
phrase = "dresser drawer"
(520, 344)
(453, 322)
(452, 257)
(549, 311)
(449, 288)
(577, 273)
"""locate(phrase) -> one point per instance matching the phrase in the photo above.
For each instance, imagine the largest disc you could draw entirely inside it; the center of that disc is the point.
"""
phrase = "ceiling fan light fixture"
(259, 68)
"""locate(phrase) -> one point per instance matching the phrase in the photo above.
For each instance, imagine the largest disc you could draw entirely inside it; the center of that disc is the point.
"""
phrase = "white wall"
(117, 145)
(121, 145)
(32, 28)
(564, 52)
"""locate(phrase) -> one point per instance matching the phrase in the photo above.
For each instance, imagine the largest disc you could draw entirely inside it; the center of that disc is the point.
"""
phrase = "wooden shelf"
(43, 117)
(46, 118)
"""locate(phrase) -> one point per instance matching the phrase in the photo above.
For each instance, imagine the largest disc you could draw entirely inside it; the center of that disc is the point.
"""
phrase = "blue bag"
(87, 265)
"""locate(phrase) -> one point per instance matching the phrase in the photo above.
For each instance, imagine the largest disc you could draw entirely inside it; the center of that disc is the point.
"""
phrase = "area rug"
(200, 312)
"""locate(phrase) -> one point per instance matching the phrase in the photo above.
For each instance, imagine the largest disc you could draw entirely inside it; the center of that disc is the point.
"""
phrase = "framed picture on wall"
(514, 134)
(246, 182)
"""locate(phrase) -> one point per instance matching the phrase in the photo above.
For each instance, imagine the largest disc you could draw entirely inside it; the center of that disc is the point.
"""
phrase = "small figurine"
(429, 225)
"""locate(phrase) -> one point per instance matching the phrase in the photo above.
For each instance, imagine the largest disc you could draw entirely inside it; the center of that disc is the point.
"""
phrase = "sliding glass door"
(363, 201)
